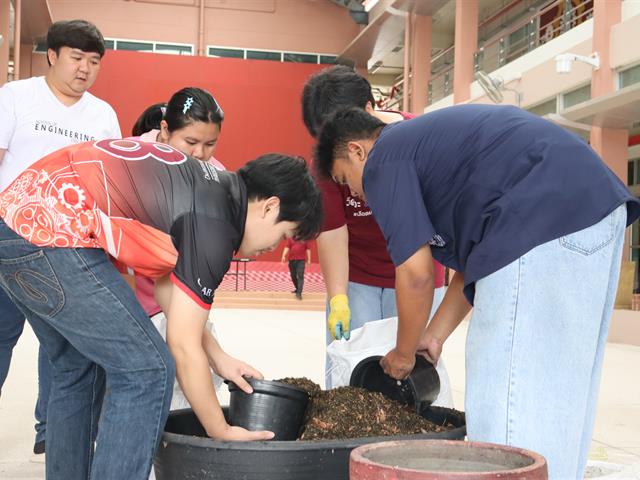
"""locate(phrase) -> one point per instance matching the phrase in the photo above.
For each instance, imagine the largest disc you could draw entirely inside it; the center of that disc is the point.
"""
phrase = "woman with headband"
(191, 122)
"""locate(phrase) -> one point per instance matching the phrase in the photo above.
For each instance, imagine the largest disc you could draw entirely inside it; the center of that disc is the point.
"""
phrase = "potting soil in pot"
(351, 412)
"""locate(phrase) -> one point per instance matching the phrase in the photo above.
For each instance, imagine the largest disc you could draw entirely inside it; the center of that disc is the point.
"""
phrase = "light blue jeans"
(96, 335)
(536, 342)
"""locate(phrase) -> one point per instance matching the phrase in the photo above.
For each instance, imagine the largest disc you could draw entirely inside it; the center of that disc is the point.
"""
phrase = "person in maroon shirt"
(297, 251)
(358, 272)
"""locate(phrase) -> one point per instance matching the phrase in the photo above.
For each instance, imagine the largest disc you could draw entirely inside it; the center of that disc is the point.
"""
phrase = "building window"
(40, 46)
(544, 108)
(109, 44)
(576, 96)
(629, 76)
(299, 57)
(633, 172)
(264, 55)
(225, 52)
(173, 49)
(134, 46)
(328, 59)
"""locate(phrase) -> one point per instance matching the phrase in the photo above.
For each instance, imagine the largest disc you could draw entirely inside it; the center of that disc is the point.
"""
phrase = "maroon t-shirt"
(297, 250)
(369, 261)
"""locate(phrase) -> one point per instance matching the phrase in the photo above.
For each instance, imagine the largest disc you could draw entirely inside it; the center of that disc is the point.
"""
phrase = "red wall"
(260, 100)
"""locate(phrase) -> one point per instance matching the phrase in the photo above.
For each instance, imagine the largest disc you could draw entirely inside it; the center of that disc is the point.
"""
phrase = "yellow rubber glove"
(339, 319)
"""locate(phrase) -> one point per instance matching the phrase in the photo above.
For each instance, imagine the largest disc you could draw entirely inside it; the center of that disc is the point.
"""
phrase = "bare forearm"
(333, 253)
(414, 296)
(211, 347)
(162, 292)
(131, 281)
(452, 310)
(194, 377)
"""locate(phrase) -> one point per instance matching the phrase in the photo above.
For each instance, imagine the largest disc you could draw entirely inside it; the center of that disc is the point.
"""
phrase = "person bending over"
(72, 221)
(519, 208)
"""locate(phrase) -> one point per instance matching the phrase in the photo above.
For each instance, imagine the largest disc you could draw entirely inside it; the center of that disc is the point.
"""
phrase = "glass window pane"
(226, 52)
(173, 49)
(109, 44)
(260, 55)
(544, 108)
(136, 46)
(630, 175)
(328, 59)
(40, 46)
(300, 57)
(630, 76)
(576, 96)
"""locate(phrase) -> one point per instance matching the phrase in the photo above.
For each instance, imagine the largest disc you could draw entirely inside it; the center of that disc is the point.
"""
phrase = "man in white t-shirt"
(38, 116)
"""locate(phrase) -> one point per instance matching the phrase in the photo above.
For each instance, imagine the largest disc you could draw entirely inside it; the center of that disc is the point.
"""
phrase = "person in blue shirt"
(532, 221)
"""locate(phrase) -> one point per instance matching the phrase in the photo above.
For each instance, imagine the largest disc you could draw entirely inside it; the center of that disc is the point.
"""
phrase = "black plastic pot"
(419, 390)
(186, 453)
(272, 406)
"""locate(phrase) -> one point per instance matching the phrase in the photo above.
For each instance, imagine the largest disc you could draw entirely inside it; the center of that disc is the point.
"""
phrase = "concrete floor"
(291, 343)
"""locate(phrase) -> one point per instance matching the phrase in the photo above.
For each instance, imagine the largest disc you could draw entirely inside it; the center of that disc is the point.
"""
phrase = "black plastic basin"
(186, 453)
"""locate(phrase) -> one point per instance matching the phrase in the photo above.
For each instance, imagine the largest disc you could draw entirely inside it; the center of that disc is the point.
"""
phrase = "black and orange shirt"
(152, 208)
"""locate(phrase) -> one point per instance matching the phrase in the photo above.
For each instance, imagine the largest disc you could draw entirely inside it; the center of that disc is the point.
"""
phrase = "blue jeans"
(11, 325)
(11, 328)
(96, 334)
(44, 389)
(536, 342)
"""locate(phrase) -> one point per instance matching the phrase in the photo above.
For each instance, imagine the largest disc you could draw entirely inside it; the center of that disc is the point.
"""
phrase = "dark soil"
(351, 412)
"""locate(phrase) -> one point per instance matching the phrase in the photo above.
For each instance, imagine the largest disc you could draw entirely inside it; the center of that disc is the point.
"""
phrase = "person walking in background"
(297, 252)
(39, 115)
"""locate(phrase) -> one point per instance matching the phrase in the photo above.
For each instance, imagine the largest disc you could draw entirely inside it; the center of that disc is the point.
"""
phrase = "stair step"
(269, 300)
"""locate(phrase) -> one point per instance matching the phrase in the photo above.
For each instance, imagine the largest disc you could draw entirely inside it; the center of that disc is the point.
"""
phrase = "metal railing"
(441, 82)
(392, 100)
(516, 40)
(529, 33)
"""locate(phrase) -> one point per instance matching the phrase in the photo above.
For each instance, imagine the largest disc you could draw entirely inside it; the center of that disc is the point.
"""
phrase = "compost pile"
(351, 412)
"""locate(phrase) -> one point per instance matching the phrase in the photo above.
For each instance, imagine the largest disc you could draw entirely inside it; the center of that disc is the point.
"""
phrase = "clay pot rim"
(538, 460)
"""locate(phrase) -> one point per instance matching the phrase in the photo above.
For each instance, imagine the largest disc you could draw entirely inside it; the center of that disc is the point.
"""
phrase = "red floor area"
(271, 277)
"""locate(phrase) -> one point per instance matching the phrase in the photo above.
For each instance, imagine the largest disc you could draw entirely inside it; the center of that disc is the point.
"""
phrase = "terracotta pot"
(444, 460)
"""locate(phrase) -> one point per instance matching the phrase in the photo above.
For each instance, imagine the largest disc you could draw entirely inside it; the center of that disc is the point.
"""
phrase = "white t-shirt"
(34, 123)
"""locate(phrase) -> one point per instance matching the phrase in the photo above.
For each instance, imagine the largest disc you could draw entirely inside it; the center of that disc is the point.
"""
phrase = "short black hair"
(149, 119)
(344, 126)
(289, 179)
(190, 105)
(78, 34)
(332, 89)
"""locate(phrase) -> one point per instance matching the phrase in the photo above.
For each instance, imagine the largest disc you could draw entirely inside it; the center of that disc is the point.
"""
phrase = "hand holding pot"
(430, 347)
(235, 370)
(239, 434)
(397, 365)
